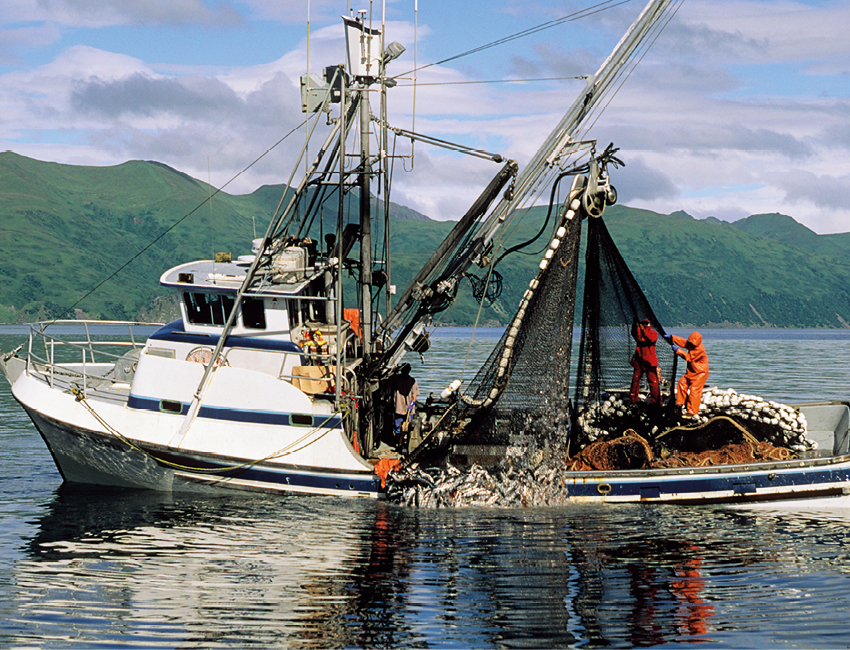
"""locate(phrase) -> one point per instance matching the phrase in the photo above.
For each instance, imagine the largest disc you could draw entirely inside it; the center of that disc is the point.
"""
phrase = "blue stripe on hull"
(85, 456)
(744, 485)
(174, 332)
(285, 476)
(238, 415)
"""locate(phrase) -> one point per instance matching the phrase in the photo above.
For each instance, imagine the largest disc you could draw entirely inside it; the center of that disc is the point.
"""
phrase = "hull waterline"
(92, 457)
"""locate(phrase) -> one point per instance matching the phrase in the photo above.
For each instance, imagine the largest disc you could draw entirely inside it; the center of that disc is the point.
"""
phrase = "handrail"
(97, 350)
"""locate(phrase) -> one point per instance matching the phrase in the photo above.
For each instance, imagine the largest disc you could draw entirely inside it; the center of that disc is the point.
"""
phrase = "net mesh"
(521, 395)
(529, 369)
(613, 302)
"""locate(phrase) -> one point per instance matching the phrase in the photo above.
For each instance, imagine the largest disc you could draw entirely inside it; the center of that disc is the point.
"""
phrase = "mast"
(364, 66)
(365, 222)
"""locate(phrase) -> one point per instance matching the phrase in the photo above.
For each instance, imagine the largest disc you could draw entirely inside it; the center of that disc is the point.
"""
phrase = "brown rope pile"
(732, 454)
(720, 441)
(629, 451)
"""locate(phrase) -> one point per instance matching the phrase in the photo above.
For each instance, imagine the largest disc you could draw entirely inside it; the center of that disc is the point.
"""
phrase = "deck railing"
(73, 356)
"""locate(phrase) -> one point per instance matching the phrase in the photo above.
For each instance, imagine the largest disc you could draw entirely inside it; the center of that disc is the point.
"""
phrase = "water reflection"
(159, 569)
(666, 600)
(145, 569)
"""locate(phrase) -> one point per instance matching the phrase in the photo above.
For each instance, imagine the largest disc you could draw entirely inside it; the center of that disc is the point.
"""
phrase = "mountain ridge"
(66, 229)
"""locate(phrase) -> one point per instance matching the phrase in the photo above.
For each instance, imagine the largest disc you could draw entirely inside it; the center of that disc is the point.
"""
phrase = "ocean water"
(107, 568)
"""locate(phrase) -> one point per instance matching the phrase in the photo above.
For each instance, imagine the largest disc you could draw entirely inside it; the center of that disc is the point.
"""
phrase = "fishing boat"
(277, 375)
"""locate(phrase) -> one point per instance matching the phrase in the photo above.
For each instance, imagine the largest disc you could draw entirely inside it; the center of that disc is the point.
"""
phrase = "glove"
(676, 348)
(668, 338)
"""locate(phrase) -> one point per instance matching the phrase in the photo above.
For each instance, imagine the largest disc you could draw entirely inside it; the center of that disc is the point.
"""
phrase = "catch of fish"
(451, 487)
(532, 476)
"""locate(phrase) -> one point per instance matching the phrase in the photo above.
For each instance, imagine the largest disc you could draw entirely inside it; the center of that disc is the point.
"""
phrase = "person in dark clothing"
(645, 361)
(405, 390)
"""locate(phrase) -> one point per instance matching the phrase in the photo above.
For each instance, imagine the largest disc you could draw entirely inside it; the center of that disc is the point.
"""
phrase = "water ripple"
(140, 569)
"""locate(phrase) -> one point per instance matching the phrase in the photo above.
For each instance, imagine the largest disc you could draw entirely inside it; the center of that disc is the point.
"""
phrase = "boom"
(437, 288)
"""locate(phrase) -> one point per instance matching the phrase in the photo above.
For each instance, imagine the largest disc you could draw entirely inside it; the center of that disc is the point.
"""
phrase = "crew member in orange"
(645, 361)
(689, 389)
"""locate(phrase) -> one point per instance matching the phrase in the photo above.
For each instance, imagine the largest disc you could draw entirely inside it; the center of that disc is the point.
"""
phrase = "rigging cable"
(174, 225)
(623, 74)
(583, 13)
(494, 81)
(540, 232)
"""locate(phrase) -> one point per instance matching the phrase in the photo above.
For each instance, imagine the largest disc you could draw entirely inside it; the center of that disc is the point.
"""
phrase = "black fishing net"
(613, 303)
(525, 384)
(528, 372)
(524, 388)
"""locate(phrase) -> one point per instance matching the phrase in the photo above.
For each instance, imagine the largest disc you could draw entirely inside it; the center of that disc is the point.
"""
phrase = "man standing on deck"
(405, 390)
(645, 361)
(689, 389)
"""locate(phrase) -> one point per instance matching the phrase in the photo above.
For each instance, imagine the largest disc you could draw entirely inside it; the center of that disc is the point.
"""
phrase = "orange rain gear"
(645, 362)
(689, 389)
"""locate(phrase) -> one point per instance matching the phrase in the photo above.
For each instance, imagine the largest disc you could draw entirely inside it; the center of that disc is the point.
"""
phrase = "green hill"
(67, 233)
(66, 229)
(785, 230)
(715, 273)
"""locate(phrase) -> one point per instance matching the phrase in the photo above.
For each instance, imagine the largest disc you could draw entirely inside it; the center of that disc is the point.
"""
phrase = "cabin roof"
(227, 277)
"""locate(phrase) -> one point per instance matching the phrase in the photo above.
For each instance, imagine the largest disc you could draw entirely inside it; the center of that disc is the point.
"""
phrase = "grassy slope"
(66, 229)
(712, 272)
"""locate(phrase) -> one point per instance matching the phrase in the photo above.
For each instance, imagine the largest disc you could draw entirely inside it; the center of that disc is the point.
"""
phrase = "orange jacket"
(697, 358)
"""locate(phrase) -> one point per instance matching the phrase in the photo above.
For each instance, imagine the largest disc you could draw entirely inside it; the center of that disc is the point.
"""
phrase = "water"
(100, 568)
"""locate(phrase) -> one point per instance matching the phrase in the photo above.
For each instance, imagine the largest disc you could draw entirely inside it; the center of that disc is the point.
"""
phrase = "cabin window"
(254, 313)
(207, 308)
(295, 317)
(170, 406)
(317, 311)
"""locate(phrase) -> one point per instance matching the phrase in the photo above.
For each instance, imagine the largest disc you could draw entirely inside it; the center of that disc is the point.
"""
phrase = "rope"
(583, 13)
(284, 451)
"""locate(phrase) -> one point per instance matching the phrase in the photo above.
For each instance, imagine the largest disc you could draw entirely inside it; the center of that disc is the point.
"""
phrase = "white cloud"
(15, 40)
(739, 108)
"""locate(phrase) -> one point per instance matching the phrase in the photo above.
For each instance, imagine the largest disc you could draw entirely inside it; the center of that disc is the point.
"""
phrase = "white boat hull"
(92, 457)
(90, 444)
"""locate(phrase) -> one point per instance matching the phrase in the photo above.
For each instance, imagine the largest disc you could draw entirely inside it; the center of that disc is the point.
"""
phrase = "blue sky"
(741, 106)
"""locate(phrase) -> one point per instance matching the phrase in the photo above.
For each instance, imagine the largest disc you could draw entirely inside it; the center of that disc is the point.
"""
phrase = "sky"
(740, 107)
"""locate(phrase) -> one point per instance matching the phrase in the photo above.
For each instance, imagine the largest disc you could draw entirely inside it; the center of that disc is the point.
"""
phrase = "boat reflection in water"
(147, 568)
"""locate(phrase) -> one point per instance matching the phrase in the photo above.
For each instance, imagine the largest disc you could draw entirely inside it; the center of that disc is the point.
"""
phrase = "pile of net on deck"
(730, 428)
